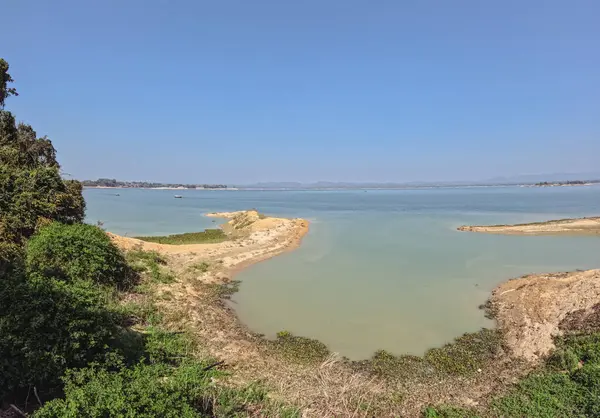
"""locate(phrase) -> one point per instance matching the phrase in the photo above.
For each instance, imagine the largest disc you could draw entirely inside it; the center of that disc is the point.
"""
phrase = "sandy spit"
(576, 226)
(254, 238)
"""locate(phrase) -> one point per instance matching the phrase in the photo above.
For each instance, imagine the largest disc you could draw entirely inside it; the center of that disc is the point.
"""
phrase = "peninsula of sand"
(576, 226)
(533, 309)
(253, 237)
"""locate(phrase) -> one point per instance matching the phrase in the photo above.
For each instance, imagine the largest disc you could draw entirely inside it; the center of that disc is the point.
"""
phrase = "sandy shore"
(529, 311)
(254, 238)
(578, 226)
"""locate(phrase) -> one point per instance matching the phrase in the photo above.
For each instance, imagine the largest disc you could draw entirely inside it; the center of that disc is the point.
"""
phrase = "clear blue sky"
(342, 90)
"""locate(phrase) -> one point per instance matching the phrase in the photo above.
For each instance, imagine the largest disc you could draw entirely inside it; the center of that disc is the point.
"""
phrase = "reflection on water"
(383, 269)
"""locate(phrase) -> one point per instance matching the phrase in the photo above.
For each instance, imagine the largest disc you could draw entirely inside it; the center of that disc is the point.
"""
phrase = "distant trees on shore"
(147, 185)
(565, 183)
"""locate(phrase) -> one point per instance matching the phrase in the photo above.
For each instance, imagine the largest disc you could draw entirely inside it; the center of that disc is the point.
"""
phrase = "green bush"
(542, 395)
(206, 236)
(78, 252)
(148, 390)
(47, 326)
(151, 263)
(563, 359)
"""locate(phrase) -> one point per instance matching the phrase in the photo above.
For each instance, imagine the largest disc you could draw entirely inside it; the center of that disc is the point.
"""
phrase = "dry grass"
(325, 384)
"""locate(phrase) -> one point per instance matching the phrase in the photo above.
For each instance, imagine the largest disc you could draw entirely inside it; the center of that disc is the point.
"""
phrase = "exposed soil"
(532, 308)
(580, 226)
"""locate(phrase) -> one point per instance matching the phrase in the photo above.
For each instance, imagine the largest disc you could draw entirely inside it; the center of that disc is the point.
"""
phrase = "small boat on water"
(178, 196)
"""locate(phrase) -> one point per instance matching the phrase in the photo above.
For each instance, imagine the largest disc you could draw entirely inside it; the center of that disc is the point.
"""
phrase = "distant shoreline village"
(116, 184)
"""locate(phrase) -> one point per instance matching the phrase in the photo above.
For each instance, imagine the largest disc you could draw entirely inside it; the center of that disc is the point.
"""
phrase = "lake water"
(383, 269)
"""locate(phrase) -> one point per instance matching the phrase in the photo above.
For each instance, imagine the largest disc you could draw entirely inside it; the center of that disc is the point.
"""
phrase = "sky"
(244, 91)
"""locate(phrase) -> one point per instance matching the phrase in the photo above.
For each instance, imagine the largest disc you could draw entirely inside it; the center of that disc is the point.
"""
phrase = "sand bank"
(577, 226)
(254, 237)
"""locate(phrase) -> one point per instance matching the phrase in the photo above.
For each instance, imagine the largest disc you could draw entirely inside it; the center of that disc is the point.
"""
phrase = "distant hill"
(509, 180)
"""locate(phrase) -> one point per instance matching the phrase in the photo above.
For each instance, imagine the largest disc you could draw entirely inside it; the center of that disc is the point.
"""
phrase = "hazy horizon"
(242, 92)
(523, 178)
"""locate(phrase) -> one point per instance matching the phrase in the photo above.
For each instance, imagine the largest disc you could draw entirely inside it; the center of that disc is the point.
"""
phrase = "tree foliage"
(155, 390)
(48, 325)
(5, 79)
(78, 252)
(32, 191)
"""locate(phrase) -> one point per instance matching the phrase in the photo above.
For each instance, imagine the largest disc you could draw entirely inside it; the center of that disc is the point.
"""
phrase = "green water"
(378, 269)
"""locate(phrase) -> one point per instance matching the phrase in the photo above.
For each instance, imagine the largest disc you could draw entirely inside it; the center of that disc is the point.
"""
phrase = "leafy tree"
(47, 326)
(5, 78)
(32, 191)
(47, 323)
(78, 252)
(30, 198)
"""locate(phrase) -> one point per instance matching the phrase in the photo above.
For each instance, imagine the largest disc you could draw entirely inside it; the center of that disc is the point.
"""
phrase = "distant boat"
(117, 194)
(178, 196)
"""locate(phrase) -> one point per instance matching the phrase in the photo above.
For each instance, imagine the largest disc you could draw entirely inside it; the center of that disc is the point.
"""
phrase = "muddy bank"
(576, 226)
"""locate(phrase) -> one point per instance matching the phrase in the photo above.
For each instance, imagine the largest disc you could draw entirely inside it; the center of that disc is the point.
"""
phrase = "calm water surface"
(378, 269)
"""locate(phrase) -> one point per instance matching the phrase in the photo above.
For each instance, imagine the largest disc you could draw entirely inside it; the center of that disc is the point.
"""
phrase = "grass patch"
(566, 385)
(444, 411)
(298, 349)
(467, 354)
(401, 367)
(150, 264)
(201, 267)
(222, 290)
(206, 236)
(462, 357)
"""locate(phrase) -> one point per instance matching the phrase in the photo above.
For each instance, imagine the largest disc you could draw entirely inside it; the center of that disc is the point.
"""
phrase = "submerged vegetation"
(464, 356)
(298, 349)
(205, 237)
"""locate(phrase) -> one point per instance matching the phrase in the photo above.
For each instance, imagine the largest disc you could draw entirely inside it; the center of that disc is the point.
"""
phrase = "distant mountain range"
(509, 180)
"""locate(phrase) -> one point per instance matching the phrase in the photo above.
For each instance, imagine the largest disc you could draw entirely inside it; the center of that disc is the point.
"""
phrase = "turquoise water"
(378, 269)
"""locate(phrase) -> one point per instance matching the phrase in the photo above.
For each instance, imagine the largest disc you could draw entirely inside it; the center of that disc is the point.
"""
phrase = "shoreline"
(529, 311)
(569, 226)
(253, 238)
(161, 188)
